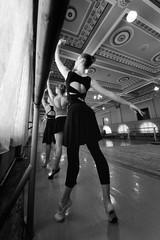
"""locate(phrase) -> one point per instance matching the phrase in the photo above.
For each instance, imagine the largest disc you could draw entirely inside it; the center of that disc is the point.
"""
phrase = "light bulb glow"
(156, 88)
(132, 15)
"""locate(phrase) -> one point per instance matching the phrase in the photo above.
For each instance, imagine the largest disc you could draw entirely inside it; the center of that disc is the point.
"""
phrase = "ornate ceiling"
(128, 54)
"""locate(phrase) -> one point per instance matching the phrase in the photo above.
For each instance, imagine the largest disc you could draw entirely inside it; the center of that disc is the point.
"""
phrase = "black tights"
(73, 164)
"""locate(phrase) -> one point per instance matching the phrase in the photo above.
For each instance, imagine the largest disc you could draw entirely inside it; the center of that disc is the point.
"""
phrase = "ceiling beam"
(106, 27)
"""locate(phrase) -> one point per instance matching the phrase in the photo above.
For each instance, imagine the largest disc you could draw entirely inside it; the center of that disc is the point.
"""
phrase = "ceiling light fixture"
(156, 88)
(131, 17)
(99, 96)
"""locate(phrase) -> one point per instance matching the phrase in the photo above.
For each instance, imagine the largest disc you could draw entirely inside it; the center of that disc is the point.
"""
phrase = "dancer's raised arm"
(44, 102)
(63, 70)
(50, 93)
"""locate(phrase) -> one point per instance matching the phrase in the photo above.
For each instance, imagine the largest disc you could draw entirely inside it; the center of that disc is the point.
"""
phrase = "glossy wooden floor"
(135, 194)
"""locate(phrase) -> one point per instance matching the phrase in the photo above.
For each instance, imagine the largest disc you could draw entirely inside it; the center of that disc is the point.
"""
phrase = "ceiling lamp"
(132, 15)
(156, 88)
(99, 96)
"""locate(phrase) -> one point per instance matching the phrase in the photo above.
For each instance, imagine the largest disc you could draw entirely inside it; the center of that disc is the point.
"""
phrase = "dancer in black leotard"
(81, 128)
(48, 136)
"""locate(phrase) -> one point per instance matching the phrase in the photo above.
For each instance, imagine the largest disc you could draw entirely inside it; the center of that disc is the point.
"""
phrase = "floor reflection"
(135, 196)
(120, 142)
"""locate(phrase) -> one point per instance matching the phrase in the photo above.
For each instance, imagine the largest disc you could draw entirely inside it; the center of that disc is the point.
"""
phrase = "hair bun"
(89, 59)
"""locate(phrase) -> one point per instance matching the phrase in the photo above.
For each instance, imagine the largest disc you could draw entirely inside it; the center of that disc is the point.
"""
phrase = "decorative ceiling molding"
(146, 89)
(123, 79)
(130, 83)
(121, 37)
(69, 63)
(109, 85)
(156, 2)
(124, 3)
(91, 70)
(144, 98)
(156, 58)
(71, 14)
(90, 23)
(57, 75)
(126, 60)
(146, 29)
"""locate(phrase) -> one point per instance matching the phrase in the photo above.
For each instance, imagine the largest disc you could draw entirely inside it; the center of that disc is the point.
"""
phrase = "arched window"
(123, 128)
(107, 129)
(148, 127)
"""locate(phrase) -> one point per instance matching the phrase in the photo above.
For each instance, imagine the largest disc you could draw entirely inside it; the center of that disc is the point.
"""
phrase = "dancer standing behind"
(48, 136)
(81, 128)
(60, 106)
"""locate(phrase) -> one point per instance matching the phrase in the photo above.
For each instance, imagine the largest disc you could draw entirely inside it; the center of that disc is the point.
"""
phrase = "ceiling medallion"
(91, 70)
(121, 36)
(123, 79)
(124, 3)
(71, 14)
(156, 58)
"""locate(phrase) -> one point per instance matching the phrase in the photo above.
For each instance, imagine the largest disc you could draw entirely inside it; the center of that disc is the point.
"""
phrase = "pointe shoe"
(62, 211)
(111, 214)
(53, 172)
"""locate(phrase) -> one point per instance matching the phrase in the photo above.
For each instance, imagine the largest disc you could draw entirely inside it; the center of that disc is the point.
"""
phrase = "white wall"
(115, 115)
(156, 102)
(127, 114)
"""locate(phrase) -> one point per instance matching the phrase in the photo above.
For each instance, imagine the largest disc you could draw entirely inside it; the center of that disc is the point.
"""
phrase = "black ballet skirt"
(81, 125)
(59, 124)
(48, 136)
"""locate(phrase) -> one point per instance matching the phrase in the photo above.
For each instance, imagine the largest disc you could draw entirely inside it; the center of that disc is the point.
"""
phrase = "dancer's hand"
(136, 109)
(49, 75)
(61, 42)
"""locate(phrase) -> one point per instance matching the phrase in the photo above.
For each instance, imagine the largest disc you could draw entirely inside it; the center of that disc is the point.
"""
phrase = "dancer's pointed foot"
(62, 211)
(111, 214)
